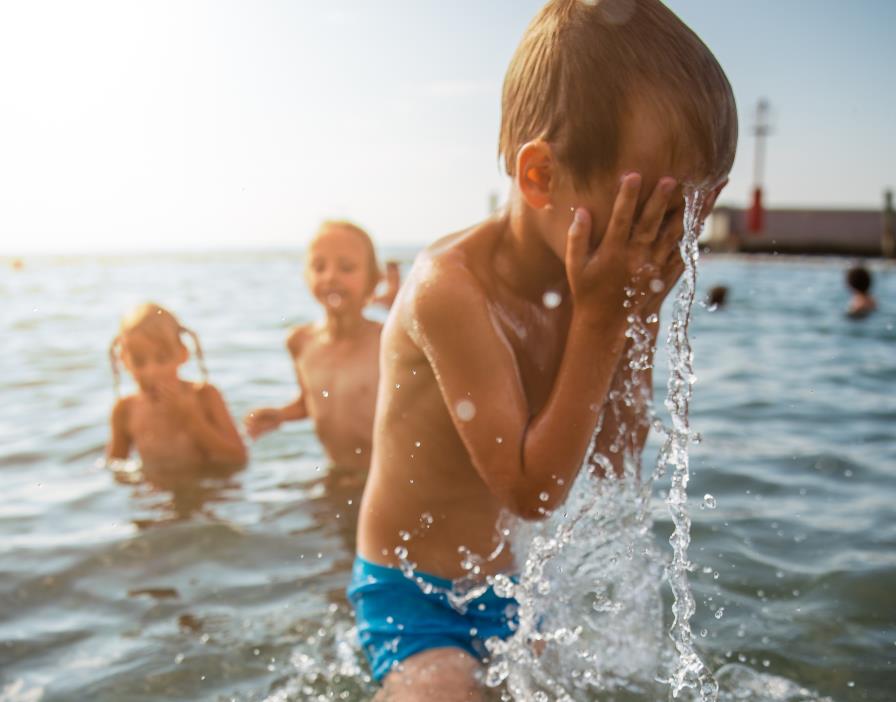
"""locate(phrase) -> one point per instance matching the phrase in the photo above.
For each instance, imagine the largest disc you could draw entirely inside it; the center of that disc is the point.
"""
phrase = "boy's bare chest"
(159, 436)
(340, 372)
(537, 336)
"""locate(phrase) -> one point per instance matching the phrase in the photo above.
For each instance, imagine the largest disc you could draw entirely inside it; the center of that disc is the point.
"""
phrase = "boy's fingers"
(620, 226)
(648, 224)
(668, 242)
(577, 240)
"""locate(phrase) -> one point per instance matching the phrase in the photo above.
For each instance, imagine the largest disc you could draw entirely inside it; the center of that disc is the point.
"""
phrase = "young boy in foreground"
(499, 356)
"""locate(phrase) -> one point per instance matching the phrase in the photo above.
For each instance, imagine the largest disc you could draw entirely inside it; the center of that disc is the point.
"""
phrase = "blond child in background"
(336, 358)
(176, 425)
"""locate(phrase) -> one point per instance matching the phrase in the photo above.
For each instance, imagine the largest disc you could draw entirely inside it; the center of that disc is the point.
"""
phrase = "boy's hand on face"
(261, 421)
(631, 254)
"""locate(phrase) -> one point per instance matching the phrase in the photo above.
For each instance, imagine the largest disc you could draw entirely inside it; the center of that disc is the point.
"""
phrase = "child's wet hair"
(582, 66)
(373, 267)
(157, 324)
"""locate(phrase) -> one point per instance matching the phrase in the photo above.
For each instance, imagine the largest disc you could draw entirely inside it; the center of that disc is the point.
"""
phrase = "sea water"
(233, 589)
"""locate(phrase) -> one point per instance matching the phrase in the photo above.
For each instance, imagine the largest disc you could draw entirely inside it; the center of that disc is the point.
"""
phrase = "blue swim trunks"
(397, 619)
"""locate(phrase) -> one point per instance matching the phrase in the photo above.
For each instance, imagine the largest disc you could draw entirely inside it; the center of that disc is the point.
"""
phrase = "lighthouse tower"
(761, 129)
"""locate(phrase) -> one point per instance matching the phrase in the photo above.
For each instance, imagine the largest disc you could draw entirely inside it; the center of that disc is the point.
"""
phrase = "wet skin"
(471, 330)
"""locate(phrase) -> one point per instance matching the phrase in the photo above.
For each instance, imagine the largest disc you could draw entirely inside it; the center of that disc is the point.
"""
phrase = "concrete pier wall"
(796, 231)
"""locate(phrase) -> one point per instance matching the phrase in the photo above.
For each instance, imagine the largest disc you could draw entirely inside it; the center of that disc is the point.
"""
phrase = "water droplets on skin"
(551, 299)
(465, 410)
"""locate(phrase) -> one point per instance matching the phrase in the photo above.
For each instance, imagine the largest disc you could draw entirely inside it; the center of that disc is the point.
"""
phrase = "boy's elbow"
(531, 507)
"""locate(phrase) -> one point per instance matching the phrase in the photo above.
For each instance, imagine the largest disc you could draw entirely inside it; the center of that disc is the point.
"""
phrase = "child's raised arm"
(529, 462)
(262, 420)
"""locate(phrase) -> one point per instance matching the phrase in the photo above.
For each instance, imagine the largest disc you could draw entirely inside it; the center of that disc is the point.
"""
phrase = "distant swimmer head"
(717, 296)
(341, 268)
(859, 279)
(150, 345)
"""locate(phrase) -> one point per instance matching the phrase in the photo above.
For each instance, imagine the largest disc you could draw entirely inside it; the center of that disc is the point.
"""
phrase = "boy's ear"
(535, 168)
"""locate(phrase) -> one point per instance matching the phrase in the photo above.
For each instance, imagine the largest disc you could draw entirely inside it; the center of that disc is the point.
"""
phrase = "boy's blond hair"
(579, 68)
(373, 267)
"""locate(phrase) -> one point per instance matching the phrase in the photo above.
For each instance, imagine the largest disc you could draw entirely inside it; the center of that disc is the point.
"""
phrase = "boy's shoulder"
(298, 336)
(122, 407)
(449, 273)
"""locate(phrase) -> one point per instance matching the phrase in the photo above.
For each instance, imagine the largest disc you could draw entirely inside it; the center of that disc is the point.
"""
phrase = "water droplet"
(401, 552)
(544, 497)
(405, 536)
(656, 285)
(499, 440)
(652, 318)
(704, 633)
(397, 386)
(417, 444)
(465, 410)
(551, 299)
(358, 451)
(709, 502)
(720, 612)
(325, 394)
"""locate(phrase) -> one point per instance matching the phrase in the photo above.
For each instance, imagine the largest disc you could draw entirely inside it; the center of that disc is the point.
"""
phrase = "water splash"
(591, 612)
(690, 672)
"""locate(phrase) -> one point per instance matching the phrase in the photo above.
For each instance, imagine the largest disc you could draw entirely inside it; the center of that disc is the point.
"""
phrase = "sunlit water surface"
(233, 589)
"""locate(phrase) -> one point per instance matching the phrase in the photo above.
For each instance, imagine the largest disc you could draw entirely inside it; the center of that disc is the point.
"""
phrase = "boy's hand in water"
(262, 420)
(631, 254)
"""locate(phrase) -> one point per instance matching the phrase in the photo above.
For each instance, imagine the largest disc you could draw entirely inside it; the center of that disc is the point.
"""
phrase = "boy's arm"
(262, 420)
(119, 446)
(528, 462)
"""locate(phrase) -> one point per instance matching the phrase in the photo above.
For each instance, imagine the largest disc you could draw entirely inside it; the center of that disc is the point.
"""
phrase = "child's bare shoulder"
(204, 390)
(122, 408)
(447, 274)
(298, 337)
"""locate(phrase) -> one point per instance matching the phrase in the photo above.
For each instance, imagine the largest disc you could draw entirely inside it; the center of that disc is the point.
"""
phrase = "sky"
(223, 124)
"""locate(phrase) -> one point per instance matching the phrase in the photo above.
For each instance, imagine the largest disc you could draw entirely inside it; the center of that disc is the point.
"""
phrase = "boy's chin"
(151, 392)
